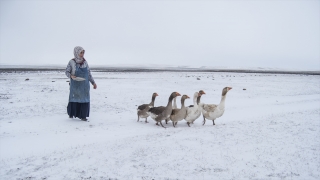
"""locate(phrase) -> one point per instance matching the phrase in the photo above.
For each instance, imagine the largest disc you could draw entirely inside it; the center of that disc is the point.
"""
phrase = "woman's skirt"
(78, 110)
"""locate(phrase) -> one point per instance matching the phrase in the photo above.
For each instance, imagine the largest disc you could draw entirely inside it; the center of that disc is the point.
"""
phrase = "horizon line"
(19, 68)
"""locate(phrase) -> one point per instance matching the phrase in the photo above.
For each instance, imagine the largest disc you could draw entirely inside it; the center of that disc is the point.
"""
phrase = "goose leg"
(173, 124)
(138, 118)
(162, 125)
(146, 120)
(188, 124)
(157, 124)
(204, 120)
(176, 123)
(213, 122)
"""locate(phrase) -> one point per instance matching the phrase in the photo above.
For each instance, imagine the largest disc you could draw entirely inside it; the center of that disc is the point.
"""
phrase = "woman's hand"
(73, 76)
(94, 86)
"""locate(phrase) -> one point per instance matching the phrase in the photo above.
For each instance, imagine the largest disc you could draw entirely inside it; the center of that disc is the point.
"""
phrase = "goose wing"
(157, 110)
(209, 107)
(174, 111)
(143, 106)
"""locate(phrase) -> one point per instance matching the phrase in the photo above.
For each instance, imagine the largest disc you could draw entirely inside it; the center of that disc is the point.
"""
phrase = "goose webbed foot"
(188, 124)
(157, 124)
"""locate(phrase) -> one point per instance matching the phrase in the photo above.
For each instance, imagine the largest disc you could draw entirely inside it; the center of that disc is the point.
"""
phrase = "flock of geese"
(189, 114)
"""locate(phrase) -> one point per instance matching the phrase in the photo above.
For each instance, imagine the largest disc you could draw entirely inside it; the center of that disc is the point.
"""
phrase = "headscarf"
(76, 52)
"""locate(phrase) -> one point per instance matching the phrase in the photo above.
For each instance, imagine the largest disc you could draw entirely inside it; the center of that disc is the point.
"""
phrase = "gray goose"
(143, 109)
(179, 114)
(213, 111)
(173, 107)
(161, 113)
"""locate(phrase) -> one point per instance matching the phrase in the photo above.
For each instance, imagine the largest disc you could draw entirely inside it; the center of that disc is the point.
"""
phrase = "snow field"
(270, 130)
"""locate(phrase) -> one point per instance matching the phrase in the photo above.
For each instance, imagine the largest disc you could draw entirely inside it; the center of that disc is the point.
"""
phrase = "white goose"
(193, 111)
(199, 103)
(213, 111)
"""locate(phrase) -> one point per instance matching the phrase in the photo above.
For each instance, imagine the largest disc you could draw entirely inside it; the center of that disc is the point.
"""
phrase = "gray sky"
(270, 34)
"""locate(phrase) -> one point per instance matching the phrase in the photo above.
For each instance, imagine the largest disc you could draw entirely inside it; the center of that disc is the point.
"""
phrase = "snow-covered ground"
(271, 130)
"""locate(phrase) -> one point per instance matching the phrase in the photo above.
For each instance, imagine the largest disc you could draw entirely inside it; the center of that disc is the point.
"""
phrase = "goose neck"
(175, 102)
(170, 102)
(223, 100)
(195, 101)
(182, 103)
(152, 101)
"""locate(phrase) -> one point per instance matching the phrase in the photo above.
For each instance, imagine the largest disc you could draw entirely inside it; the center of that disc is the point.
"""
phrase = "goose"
(213, 111)
(198, 102)
(174, 106)
(193, 111)
(143, 109)
(179, 114)
(161, 113)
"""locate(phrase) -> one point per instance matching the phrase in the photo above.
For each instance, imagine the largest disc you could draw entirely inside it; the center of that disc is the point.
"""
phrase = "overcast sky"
(269, 34)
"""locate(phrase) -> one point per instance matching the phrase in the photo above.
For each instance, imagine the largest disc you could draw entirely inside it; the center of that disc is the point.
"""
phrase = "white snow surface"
(271, 130)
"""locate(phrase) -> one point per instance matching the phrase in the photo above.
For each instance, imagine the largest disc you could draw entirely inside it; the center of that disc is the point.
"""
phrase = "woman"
(79, 97)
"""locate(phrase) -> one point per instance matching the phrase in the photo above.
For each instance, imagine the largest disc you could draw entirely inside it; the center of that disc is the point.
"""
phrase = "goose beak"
(188, 97)
(178, 94)
(229, 88)
(157, 94)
